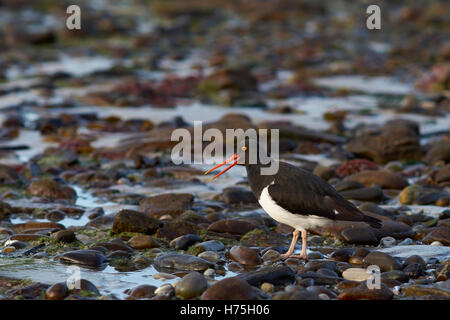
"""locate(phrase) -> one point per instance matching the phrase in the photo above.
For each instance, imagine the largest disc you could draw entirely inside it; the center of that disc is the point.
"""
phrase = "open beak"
(234, 158)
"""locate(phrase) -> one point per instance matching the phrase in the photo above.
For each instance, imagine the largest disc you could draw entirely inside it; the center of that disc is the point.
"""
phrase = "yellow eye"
(244, 148)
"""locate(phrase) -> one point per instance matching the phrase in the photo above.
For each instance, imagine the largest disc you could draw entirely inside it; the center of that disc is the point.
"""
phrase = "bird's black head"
(249, 152)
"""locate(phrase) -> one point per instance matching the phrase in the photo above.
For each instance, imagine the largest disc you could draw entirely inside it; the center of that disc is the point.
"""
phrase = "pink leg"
(303, 254)
(292, 246)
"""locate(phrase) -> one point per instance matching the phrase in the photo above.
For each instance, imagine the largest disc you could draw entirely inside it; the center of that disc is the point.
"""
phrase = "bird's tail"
(373, 222)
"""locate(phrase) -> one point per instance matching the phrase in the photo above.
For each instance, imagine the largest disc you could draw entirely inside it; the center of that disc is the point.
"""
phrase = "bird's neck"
(256, 180)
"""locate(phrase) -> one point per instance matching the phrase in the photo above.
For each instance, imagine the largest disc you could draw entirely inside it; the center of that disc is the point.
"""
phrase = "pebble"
(9, 249)
(181, 261)
(210, 256)
(58, 291)
(134, 221)
(66, 236)
(232, 288)
(279, 275)
(143, 291)
(356, 274)
(342, 254)
(245, 256)
(185, 241)
(363, 292)
(271, 255)
(425, 290)
(209, 273)
(384, 261)
(165, 290)
(387, 242)
(191, 285)
(140, 242)
(211, 245)
(267, 287)
(173, 204)
(88, 258)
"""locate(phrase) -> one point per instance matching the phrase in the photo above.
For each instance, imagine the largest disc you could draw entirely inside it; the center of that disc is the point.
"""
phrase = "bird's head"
(248, 152)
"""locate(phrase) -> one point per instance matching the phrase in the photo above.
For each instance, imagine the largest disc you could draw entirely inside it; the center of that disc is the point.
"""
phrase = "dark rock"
(172, 229)
(414, 270)
(84, 285)
(395, 275)
(415, 259)
(180, 261)
(185, 241)
(280, 275)
(384, 261)
(210, 245)
(230, 289)
(363, 292)
(320, 279)
(86, 258)
(168, 203)
(66, 236)
(58, 291)
(134, 221)
(342, 254)
(296, 295)
(359, 235)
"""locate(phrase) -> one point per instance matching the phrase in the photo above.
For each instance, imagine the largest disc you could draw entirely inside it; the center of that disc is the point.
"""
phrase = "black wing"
(301, 192)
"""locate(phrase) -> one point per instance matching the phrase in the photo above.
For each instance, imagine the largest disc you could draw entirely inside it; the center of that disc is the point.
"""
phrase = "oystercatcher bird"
(294, 196)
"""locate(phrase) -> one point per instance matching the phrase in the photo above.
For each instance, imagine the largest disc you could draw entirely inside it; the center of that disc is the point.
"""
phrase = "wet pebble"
(359, 235)
(363, 292)
(210, 256)
(182, 262)
(89, 258)
(168, 203)
(66, 236)
(356, 274)
(230, 289)
(58, 291)
(245, 256)
(143, 291)
(165, 290)
(384, 261)
(134, 221)
(191, 285)
(279, 275)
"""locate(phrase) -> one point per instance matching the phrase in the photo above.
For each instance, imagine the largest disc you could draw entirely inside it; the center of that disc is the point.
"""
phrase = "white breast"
(297, 221)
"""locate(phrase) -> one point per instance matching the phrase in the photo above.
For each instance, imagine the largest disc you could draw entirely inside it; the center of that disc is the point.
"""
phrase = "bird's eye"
(244, 148)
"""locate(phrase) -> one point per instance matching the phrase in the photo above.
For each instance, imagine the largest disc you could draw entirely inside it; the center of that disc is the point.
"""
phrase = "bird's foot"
(300, 256)
(286, 255)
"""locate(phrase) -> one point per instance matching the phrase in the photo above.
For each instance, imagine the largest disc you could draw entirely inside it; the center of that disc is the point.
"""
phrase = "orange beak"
(233, 158)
